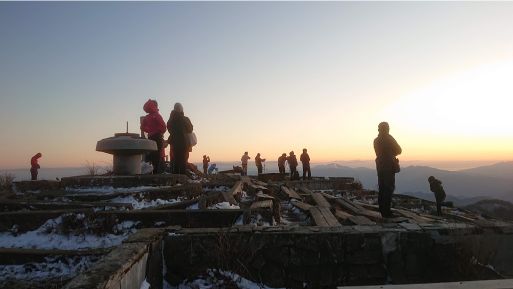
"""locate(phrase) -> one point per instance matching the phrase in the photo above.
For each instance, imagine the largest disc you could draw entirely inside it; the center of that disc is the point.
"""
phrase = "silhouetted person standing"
(387, 165)
(155, 127)
(258, 163)
(34, 166)
(436, 187)
(281, 163)
(206, 160)
(292, 160)
(244, 160)
(305, 160)
(179, 126)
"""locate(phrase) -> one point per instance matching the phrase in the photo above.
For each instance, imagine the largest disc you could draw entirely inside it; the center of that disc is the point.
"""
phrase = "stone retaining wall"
(324, 257)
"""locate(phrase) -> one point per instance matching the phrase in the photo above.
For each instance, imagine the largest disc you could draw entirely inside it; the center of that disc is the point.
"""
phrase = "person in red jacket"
(34, 166)
(155, 127)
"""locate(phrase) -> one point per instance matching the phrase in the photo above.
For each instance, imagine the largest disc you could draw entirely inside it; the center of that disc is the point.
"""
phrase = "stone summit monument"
(127, 150)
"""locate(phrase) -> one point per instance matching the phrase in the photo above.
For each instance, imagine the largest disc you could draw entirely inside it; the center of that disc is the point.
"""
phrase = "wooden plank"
(330, 218)
(228, 195)
(262, 196)
(300, 205)
(305, 190)
(348, 206)
(355, 209)
(356, 220)
(361, 220)
(323, 217)
(342, 215)
(320, 200)
(290, 193)
(328, 196)
(259, 183)
(317, 217)
(413, 216)
(267, 204)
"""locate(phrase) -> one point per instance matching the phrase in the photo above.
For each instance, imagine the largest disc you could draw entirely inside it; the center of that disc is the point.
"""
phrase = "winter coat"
(258, 161)
(386, 148)
(292, 161)
(152, 123)
(281, 160)
(305, 159)
(179, 126)
(33, 161)
(436, 187)
(244, 159)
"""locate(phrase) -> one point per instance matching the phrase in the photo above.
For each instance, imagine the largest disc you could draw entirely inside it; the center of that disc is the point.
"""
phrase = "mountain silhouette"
(462, 187)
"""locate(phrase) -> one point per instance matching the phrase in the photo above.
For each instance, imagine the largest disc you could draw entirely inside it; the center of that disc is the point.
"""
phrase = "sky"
(266, 77)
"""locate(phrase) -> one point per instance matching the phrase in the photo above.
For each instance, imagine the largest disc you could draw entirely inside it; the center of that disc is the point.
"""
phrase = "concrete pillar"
(127, 164)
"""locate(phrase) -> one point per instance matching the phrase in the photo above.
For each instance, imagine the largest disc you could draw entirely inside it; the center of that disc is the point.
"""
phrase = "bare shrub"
(92, 169)
(6, 180)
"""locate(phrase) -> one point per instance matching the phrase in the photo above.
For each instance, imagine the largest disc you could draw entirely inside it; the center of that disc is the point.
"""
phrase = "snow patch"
(52, 267)
(145, 285)
(224, 205)
(47, 237)
(142, 203)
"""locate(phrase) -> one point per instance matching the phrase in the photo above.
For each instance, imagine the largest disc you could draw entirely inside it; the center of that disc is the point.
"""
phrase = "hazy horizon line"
(430, 163)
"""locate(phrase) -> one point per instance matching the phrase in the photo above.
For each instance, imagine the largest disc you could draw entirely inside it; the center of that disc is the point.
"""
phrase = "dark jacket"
(282, 160)
(386, 148)
(178, 126)
(305, 159)
(258, 161)
(436, 187)
(292, 161)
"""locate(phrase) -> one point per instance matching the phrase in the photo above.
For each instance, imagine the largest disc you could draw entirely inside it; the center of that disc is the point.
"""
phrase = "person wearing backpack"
(292, 160)
(179, 126)
(387, 165)
(435, 185)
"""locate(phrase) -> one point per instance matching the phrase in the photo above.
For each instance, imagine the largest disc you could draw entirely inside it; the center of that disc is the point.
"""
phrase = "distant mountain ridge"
(475, 184)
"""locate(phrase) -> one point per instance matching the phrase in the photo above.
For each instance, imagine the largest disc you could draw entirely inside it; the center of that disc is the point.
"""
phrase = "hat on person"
(178, 107)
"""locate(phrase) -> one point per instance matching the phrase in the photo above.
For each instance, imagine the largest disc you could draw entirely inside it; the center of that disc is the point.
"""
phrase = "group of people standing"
(290, 159)
(292, 162)
(178, 126)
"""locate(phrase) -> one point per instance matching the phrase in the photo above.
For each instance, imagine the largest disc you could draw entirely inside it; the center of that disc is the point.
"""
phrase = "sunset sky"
(260, 77)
